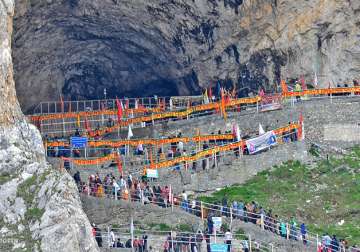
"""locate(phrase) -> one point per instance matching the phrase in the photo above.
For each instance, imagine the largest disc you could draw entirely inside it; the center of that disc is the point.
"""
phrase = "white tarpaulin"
(262, 142)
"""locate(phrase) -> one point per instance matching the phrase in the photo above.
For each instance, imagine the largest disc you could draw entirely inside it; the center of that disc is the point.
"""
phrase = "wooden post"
(201, 210)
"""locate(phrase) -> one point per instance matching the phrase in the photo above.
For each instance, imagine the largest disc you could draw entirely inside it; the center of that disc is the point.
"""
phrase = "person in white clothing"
(112, 239)
(228, 238)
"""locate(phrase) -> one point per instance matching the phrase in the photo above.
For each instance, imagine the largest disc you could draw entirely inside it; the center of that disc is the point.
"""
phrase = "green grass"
(24, 191)
(5, 177)
(320, 195)
(33, 214)
(182, 227)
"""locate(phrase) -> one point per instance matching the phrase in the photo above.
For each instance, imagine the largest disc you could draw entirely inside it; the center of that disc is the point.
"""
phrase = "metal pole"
(171, 199)
(250, 244)
(89, 188)
(132, 233)
(63, 123)
(108, 235)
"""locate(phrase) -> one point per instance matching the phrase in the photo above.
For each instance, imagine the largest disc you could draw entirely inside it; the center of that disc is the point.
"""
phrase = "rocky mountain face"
(40, 209)
(167, 47)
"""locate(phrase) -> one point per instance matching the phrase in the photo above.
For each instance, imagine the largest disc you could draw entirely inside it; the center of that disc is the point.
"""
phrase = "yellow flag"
(78, 121)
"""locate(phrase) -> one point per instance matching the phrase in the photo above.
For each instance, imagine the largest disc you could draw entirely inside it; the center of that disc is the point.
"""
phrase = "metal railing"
(139, 239)
(55, 107)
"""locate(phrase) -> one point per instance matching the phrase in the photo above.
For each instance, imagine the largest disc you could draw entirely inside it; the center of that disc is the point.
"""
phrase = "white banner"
(262, 142)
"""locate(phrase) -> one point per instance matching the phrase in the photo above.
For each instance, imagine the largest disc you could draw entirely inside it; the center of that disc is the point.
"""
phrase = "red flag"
(87, 125)
(119, 110)
(210, 94)
(300, 129)
(261, 93)
(227, 99)
(303, 85)
(127, 104)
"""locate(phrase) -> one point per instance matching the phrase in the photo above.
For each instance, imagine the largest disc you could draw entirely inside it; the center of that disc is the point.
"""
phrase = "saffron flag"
(119, 109)
(284, 86)
(223, 109)
(78, 121)
(119, 164)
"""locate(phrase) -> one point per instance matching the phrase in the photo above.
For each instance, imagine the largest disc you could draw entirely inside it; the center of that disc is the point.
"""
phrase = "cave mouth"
(78, 55)
(127, 62)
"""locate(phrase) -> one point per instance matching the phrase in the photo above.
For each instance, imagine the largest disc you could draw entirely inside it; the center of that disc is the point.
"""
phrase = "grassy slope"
(320, 195)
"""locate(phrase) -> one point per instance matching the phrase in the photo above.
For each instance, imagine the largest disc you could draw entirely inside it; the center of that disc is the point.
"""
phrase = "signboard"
(152, 173)
(217, 223)
(262, 142)
(270, 107)
(78, 142)
(219, 247)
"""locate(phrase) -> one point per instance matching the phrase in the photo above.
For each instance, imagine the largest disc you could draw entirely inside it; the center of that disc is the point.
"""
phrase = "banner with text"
(262, 142)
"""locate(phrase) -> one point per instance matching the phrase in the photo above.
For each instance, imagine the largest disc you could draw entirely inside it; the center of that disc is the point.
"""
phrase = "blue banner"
(152, 173)
(78, 142)
(219, 247)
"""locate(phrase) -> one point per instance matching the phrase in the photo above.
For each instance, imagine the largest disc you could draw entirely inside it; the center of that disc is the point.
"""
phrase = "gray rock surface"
(137, 47)
(40, 209)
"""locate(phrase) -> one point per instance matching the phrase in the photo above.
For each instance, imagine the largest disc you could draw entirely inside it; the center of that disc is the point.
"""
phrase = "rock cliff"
(137, 47)
(40, 209)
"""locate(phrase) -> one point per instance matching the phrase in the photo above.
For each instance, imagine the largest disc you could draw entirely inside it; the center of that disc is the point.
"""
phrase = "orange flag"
(119, 164)
(223, 109)
(284, 86)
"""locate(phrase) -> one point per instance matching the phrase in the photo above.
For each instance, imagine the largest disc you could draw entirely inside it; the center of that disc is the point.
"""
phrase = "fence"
(54, 107)
(205, 210)
(172, 241)
(67, 126)
(283, 134)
